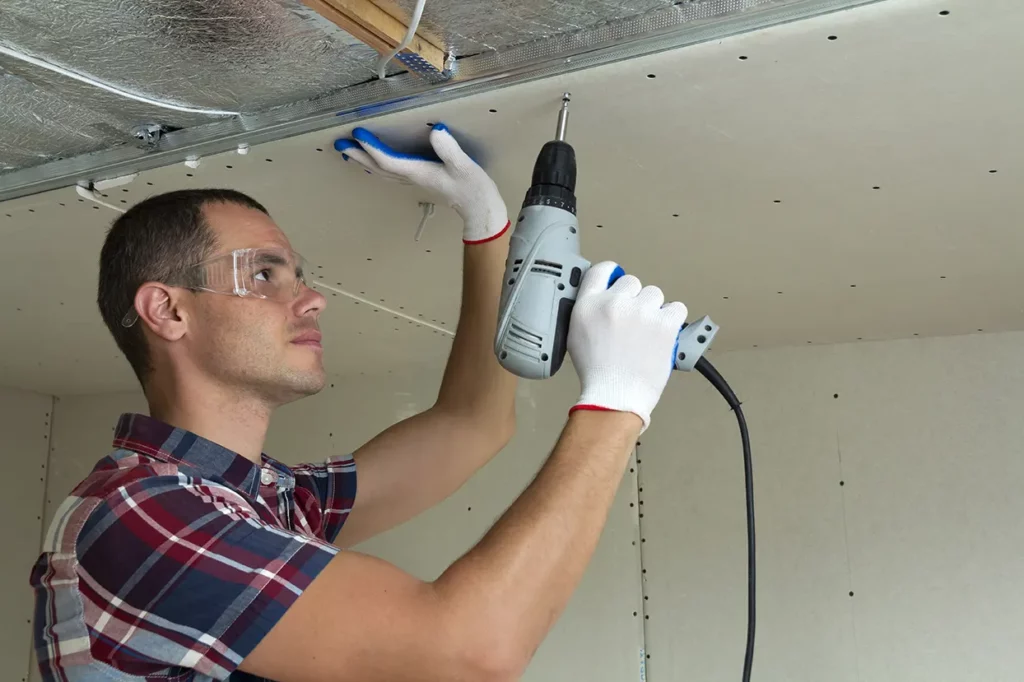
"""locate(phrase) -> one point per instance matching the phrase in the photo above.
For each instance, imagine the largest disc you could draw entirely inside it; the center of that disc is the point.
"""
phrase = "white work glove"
(463, 184)
(622, 341)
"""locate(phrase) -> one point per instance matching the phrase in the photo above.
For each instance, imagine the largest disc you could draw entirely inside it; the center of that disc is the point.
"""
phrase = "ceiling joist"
(378, 29)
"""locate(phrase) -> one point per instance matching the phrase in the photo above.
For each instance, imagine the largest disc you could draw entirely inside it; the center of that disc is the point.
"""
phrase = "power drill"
(544, 270)
(542, 278)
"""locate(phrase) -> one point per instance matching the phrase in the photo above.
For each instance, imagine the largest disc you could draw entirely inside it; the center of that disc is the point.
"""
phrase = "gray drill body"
(542, 277)
(544, 271)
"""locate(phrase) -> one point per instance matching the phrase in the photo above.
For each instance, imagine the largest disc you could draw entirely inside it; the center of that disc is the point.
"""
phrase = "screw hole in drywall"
(270, 160)
(598, 227)
(493, 111)
(944, 13)
(833, 37)
(743, 57)
(229, 167)
(876, 187)
(777, 201)
(993, 171)
(851, 593)
(835, 395)
(188, 175)
(842, 483)
(148, 183)
(651, 75)
(319, 149)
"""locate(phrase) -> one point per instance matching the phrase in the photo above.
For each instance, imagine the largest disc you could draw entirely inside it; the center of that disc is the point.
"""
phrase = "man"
(189, 554)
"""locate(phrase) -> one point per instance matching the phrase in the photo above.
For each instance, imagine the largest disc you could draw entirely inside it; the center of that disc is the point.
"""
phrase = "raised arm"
(420, 461)
(484, 617)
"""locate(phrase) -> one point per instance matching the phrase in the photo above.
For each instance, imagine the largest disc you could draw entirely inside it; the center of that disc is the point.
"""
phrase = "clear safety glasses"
(274, 274)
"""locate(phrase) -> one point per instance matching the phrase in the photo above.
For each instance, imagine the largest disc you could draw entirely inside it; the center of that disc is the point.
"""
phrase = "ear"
(162, 309)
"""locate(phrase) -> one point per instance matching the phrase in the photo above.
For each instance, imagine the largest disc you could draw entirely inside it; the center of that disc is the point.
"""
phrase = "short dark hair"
(150, 243)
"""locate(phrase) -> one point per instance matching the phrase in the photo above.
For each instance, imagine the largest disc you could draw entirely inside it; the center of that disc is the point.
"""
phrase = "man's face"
(267, 348)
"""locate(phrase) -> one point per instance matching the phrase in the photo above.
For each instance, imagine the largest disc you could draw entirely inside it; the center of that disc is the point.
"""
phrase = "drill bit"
(563, 118)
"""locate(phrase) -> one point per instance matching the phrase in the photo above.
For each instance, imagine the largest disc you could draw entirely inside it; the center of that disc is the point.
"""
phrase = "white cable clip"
(428, 210)
(192, 161)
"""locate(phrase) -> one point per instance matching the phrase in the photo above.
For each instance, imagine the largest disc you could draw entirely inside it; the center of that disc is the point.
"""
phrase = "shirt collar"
(146, 435)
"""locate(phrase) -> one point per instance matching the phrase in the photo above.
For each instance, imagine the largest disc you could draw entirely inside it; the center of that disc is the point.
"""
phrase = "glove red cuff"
(503, 230)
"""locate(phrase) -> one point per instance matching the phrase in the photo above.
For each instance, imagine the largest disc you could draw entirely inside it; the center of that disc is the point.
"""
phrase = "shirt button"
(267, 477)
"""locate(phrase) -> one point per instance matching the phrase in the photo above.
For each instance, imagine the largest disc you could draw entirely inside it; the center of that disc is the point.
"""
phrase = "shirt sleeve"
(333, 483)
(179, 572)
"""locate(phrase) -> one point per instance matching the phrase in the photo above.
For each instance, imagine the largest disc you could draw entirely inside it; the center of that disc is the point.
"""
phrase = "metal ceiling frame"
(687, 23)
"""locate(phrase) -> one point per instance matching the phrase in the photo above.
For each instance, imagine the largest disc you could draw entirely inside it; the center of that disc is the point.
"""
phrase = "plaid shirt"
(176, 556)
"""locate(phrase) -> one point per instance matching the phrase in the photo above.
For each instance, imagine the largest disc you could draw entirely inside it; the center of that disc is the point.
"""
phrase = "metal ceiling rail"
(686, 23)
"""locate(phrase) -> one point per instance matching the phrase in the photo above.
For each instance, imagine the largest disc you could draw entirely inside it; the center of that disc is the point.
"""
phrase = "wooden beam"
(370, 24)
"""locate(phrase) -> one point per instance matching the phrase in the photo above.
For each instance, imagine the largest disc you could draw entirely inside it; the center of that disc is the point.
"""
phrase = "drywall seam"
(42, 516)
(846, 550)
(644, 654)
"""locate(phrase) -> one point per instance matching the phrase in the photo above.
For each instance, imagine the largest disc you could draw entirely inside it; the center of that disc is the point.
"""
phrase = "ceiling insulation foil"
(474, 27)
(273, 68)
(239, 55)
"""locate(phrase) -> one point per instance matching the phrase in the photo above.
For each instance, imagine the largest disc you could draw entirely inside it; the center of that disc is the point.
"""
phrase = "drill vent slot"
(546, 267)
(524, 336)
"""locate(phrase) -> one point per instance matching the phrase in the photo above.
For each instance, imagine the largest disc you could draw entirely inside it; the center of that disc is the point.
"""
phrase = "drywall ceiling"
(849, 177)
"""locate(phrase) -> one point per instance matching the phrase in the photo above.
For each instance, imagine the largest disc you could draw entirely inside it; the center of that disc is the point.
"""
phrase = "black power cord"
(711, 374)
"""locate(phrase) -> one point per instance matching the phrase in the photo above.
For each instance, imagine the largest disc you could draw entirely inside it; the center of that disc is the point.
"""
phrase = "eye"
(263, 275)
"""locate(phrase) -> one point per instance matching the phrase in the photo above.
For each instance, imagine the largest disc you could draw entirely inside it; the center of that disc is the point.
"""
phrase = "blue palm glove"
(463, 184)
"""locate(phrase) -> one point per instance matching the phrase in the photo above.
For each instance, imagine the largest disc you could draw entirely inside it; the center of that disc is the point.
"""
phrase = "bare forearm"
(517, 580)
(473, 380)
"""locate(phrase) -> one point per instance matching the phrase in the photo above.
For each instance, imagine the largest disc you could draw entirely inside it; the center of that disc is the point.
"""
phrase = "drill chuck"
(554, 172)
(554, 178)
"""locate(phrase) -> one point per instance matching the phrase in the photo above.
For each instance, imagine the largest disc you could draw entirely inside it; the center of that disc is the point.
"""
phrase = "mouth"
(310, 339)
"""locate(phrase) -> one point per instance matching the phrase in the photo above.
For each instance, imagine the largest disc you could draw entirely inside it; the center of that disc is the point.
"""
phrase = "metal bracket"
(151, 133)
(693, 342)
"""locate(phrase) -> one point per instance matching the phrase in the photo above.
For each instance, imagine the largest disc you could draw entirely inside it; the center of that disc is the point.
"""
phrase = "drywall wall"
(888, 515)
(888, 470)
(599, 638)
(24, 443)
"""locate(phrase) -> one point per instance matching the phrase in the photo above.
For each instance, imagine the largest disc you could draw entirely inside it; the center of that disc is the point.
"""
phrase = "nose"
(309, 302)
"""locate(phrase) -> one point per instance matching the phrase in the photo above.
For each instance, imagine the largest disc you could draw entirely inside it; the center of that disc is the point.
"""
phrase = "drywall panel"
(930, 433)
(694, 535)
(887, 483)
(25, 443)
(83, 434)
(600, 635)
(768, 179)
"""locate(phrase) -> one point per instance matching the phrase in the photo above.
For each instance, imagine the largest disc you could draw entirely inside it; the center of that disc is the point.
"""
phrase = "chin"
(298, 384)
